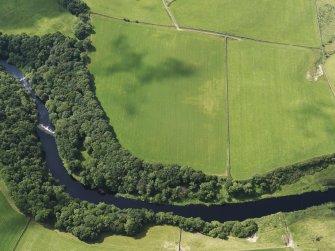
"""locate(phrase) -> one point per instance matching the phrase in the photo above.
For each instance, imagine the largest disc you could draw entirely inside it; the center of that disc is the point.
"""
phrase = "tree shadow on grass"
(144, 73)
(319, 112)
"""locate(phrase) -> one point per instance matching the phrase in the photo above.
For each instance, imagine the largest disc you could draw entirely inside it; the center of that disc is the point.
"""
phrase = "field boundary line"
(228, 167)
(206, 32)
(179, 244)
(171, 15)
(241, 37)
(131, 21)
(23, 232)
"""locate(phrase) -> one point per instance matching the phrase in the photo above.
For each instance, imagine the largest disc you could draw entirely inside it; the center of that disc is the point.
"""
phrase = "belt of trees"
(36, 194)
(272, 181)
(61, 79)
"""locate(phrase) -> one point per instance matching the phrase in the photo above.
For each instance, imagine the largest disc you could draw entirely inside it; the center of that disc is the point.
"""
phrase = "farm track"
(171, 15)
(23, 232)
(227, 109)
(207, 32)
(180, 238)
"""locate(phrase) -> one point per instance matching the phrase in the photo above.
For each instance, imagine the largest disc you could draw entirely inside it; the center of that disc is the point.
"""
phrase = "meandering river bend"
(233, 211)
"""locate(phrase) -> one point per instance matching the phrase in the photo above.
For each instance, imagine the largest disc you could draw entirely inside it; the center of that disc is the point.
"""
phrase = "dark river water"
(233, 211)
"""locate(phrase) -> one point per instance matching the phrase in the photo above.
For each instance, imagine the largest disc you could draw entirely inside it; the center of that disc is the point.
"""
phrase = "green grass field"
(164, 92)
(277, 116)
(314, 228)
(35, 17)
(274, 20)
(38, 238)
(330, 71)
(12, 223)
(151, 11)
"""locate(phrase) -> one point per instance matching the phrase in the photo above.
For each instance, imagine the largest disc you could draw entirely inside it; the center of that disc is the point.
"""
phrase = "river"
(227, 212)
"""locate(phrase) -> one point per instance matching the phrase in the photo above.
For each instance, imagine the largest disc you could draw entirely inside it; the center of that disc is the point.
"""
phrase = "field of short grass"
(314, 228)
(164, 92)
(151, 11)
(330, 70)
(12, 223)
(277, 116)
(36, 17)
(38, 238)
(274, 20)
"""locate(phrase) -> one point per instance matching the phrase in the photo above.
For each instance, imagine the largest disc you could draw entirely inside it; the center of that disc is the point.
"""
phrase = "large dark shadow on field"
(132, 61)
(129, 60)
(318, 111)
(20, 14)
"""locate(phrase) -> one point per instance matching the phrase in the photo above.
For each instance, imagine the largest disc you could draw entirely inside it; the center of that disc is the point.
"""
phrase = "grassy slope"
(314, 228)
(330, 70)
(34, 17)
(166, 96)
(304, 225)
(275, 20)
(277, 117)
(271, 229)
(12, 223)
(317, 182)
(38, 238)
(151, 11)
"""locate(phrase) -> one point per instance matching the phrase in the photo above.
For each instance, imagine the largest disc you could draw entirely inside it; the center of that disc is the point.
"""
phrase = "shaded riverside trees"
(61, 79)
(35, 193)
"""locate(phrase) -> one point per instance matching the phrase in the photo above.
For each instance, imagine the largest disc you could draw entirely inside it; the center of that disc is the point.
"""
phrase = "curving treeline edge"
(57, 67)
(36, 194)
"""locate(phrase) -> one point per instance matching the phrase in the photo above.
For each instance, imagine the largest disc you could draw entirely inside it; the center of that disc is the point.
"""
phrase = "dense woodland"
(59, 74)
(36, 193)
(57, 67)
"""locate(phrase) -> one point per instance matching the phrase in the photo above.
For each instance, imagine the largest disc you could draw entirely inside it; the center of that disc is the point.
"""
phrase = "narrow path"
(171, 2)
(171, 15)
(323, 60)
(23, 231)
(228, 167)
(290, 242)
(179, 245)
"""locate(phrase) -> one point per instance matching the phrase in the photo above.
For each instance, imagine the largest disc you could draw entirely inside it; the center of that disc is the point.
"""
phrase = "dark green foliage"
(23, 168)
(75, 7)
(273, 180)
(61, 79)
(83, 29)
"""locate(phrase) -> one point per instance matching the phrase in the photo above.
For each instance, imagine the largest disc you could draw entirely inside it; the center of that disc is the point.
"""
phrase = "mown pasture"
(286, 21)
(12, 223)
(151, 11)
(38, 238)
(164, 92)
(36, 17)
(330, 71)
(277, 116)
